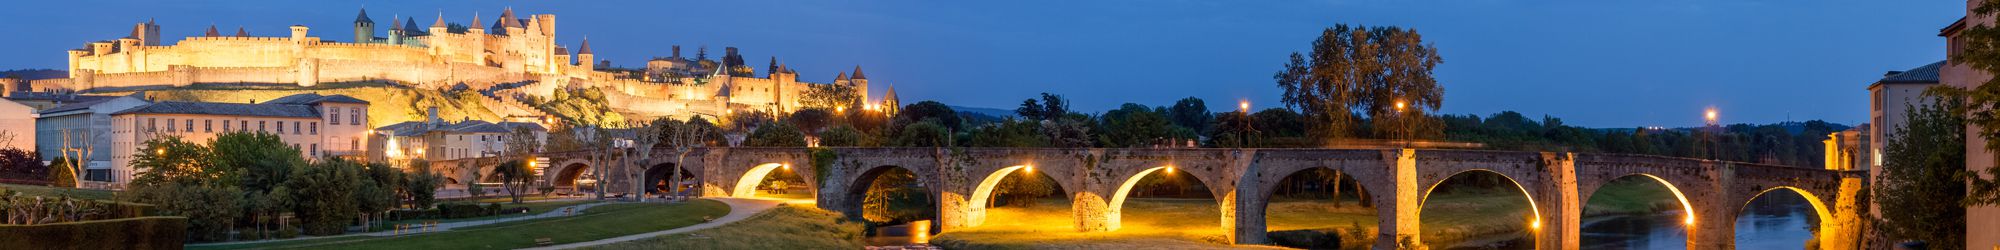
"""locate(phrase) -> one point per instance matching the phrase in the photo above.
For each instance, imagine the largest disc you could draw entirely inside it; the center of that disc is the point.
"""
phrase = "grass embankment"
(784, 227)
(600, 222)
(43, 191)
(388, 104)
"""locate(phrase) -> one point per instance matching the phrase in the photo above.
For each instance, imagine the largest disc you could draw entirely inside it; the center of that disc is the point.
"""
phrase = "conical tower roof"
(241, 33)
(363, 17)
(585, 48)
(212, 32)
(857, 73)
(841, 77)
(440, 21)
(410, 27)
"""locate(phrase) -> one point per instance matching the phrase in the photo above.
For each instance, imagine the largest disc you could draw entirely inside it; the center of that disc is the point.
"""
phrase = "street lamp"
(1243, 105)
(1711, 116)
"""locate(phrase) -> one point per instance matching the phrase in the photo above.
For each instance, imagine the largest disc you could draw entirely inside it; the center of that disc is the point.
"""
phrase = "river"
(1767, 227)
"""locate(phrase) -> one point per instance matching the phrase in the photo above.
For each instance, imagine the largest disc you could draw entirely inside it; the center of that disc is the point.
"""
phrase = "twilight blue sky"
(1598, 63)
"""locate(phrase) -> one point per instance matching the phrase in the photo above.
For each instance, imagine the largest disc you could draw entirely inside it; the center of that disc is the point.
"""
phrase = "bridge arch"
(1534, 209)
(564, 176)
(655, 179)
(1114, 210)
(1687, 208)
(746, 186)
(859, 185)
(982, 194)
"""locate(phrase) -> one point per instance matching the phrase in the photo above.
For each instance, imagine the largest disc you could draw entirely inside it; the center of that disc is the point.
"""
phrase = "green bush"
(159, 232)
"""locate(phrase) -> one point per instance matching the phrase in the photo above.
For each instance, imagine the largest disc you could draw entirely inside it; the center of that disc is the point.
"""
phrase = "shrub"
(159, 232)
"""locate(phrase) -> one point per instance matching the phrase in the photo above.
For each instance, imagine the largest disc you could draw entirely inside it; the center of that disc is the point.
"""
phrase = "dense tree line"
(244, 181)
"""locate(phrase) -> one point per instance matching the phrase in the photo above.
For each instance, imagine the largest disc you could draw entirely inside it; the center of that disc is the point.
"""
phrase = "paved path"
(441, 227)
(739, 209)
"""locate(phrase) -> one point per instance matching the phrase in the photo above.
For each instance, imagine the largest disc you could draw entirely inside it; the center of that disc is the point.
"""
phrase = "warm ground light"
(596, 223)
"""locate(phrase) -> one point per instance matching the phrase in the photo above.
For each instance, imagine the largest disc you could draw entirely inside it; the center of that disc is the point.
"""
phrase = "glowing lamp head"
(786, 166)
(160, 151)
(1029, 168)
(1535, 224)
(1710, 115)
(1400, 105)
(1170, 169)
(1244, 105)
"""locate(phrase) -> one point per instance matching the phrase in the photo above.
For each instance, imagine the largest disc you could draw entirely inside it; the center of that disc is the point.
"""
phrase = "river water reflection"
(1760, 227)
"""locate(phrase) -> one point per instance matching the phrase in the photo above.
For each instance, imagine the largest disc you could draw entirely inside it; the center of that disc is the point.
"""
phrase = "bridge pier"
(1398, 207)
(1561, 213)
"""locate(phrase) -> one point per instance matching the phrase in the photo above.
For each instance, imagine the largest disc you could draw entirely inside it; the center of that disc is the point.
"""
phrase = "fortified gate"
(961, 180)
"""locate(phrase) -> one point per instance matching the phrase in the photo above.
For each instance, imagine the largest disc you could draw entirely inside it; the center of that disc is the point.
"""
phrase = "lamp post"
(1243, 131)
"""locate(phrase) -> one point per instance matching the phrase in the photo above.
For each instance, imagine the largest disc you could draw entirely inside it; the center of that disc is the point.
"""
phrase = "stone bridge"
(961, 180)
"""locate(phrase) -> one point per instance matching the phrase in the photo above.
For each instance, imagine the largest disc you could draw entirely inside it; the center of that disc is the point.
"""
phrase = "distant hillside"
(993, 112)
(35, 74)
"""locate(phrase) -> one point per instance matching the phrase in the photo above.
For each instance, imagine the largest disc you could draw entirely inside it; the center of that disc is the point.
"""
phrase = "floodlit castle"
(515, 55)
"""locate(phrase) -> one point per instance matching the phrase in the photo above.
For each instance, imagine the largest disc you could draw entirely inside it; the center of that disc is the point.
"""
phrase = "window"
(354, 114)
(295, 128)
(245, 125)
(281, 127)
(207, 126)
(315, 128)
(170, 125)
(260, 126)
(225, 125)
(315, 149)
(354, 145)
(190, 126)
(336, 116)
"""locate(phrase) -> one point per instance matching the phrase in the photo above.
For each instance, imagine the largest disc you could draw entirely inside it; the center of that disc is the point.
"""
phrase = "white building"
(83, 129)
(1889, 104)
(314, 125)
(436, 140)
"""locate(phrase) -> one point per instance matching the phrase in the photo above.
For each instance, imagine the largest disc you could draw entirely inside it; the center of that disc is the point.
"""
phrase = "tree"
(1134, 125)
(1381, 72)
(1980, 51)
(776, 135)
(1009, 133)
(512, 174)
(829, 96)
(1191, 113)
(645, 135)
(423, 184)
(521, 144)
(810, 120)
(1051, 106)
(60, 173)
(79, 146)
(257, 162)
(683, 138)
(929, 110)
(23, 165)
(170, 159)
(1920, 184)
(211, 210)
(378, 191)
(922, 134)
(843, 136)
(325, 195)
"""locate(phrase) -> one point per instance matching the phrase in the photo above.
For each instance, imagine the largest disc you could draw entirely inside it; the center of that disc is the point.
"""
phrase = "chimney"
(433, 114)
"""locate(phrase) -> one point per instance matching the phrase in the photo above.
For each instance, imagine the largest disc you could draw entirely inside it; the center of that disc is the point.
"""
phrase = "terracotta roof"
(1926, 74)
(212, 32)
(217, 108)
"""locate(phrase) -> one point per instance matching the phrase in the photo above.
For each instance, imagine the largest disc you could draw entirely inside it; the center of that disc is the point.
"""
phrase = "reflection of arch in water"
(1116, 208)
(1534, 209)
(1820, 212)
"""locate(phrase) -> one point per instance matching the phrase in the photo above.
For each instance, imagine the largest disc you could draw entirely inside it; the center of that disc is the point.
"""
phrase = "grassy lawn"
(784, 227)
(504, 199)
(534, 208)
(600, 222)
(56, 191)
(1145, 224)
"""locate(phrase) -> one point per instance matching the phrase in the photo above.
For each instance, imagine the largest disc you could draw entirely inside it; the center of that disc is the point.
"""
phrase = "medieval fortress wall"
(511, 50)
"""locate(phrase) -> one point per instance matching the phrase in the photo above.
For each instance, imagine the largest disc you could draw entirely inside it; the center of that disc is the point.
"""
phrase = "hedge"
(143, 233)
